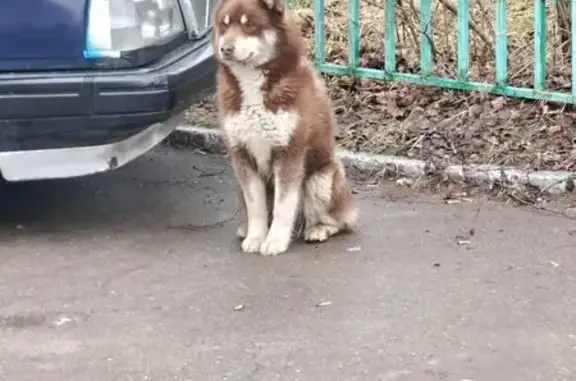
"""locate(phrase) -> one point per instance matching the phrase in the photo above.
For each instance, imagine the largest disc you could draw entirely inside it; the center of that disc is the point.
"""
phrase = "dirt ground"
(443, 126)
(450, 127)
(446, 127)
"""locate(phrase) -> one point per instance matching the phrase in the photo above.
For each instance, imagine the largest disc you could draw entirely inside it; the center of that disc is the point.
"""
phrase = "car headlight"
(119, 26)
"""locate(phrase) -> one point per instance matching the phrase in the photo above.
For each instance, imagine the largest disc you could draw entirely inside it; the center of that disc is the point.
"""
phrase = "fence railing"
(501, 84)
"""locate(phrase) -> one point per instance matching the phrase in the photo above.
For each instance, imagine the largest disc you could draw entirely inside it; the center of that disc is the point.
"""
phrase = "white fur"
(320, 233)
(255, 197)
(286, 202)
(256, 127)
(253, 50)
(318, 195)
(259, 130)
(319, 224)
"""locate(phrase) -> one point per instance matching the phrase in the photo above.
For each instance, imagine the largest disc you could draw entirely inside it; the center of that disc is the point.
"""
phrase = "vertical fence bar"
(390, 48)
(463, 39)
(539, 44)
(501, 42)
(425, 37)
(573, 41)
(353, 33)
(319, 33)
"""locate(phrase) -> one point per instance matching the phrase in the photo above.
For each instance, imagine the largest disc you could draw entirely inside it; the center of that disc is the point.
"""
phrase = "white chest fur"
(254, 126)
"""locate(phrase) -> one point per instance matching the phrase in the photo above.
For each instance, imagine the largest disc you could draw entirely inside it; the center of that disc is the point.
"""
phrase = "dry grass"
(444, 39)
(444, 125)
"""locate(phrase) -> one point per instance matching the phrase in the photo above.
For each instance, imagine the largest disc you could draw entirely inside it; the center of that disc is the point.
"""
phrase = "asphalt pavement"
(137, 275)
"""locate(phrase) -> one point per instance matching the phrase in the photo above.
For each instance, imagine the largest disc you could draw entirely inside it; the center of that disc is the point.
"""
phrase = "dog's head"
(247, 32)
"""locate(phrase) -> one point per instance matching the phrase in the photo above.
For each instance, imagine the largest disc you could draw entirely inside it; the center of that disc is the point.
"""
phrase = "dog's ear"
(275, 5)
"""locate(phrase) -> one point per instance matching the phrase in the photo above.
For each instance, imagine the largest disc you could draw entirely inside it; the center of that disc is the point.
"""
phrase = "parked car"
(88, 85)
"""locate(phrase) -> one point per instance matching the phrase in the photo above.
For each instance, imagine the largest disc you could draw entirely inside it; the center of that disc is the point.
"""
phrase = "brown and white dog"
(279, 129)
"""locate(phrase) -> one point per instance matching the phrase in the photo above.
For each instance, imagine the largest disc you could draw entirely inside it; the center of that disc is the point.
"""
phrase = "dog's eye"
(249, 26)
(224, 22)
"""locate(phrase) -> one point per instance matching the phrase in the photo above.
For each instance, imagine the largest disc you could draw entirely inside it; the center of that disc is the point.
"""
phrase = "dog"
(279, 128)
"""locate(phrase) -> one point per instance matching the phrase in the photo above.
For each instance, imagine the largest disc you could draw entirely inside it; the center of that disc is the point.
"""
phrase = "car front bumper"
(67, 124)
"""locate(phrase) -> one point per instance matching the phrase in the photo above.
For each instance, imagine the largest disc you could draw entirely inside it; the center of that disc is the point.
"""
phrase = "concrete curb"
(551, 182)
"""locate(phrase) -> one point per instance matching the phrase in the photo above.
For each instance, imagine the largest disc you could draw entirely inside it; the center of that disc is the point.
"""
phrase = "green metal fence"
(426, 76)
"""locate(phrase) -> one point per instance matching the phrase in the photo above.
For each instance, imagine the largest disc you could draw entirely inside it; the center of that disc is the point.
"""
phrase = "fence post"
(390, 20)
(353, 33)
(539, 44)
(501, 43)
(426, 37)
(573, 42)
(319, 32)
(463, 39)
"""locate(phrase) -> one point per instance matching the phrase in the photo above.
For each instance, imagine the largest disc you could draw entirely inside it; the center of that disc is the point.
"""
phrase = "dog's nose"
(227, 50)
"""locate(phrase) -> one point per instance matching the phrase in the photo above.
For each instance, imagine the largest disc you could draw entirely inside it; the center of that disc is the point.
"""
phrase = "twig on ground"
(208, 174)
(204, 227)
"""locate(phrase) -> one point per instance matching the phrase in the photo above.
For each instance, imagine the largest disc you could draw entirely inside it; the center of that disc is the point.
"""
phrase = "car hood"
(42, 34)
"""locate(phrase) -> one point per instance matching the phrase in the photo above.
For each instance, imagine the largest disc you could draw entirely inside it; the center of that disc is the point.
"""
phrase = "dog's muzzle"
(227, 51)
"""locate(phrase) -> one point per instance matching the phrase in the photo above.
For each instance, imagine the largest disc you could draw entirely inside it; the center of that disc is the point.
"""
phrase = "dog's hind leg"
(328, 204)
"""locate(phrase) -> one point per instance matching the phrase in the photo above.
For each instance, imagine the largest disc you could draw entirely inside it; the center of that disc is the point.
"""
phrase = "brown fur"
(290, 84)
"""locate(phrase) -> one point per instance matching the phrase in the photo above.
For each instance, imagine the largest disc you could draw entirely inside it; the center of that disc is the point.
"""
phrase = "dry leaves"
(448, 127)
(429, 123)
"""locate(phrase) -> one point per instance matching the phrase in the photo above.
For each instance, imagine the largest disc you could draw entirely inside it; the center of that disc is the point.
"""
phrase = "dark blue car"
(88, 85)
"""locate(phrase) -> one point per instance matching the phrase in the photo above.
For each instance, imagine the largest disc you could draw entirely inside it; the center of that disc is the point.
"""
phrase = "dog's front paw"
(252, 244)
(274, 245)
